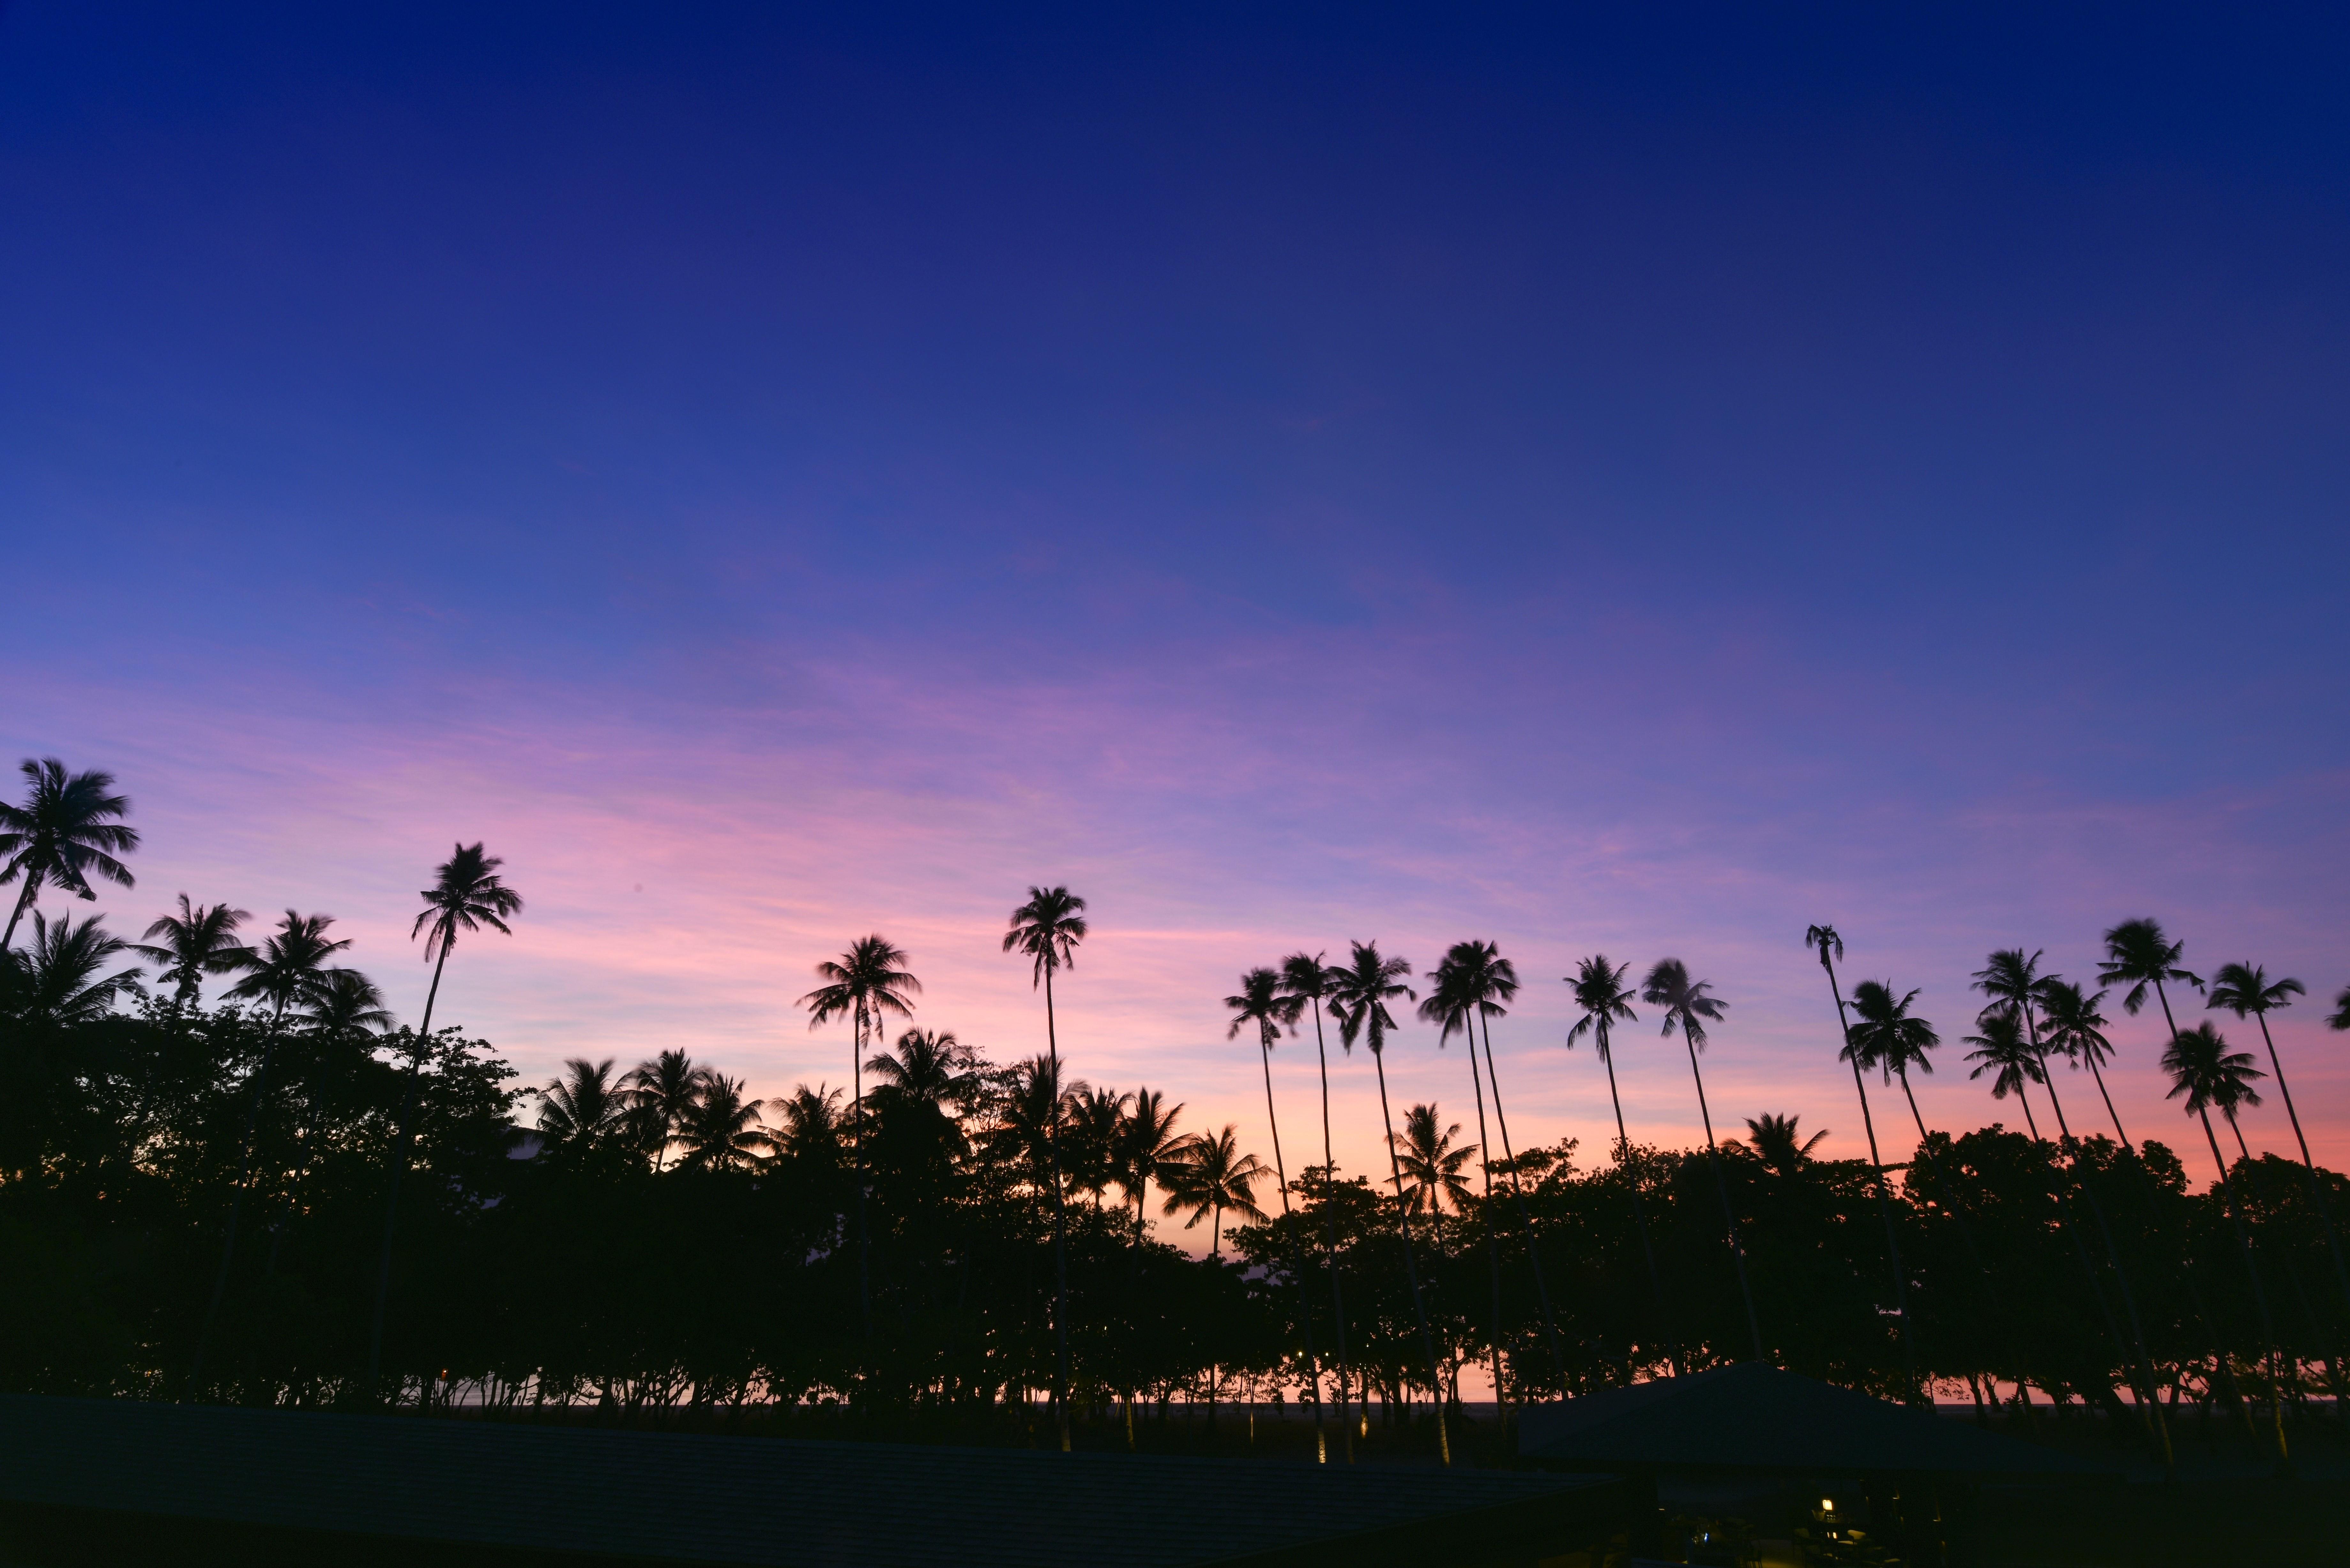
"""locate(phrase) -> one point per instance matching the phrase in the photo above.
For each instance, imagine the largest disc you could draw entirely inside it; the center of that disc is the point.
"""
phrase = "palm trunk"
(1518, 1191)
(1289, 1247)
(400, 1169)
(857, 1121)
(1485, 1218)
(236, 1202)
(1411, 1268)
(1884, 1201)
(2316, 1186)
(1330, 1235)
(1721, 1185)
(1060, 1227)
(24, 902)
(1640, 1208)
(2259, 1295)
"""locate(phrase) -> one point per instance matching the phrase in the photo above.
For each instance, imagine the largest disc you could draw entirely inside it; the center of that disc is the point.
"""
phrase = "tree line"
(283, 1196)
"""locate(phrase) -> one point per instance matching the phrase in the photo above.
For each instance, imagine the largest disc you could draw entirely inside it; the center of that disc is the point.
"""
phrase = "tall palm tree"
(286, 971)
(721, 1130)
(1689, 1005)
(1046, 929)
(1305, 981)
(1826, 941)
(56, 982)
(2207, 1073)
(2139, 954)
(201, 939)
(1359, 995)
(865, 982)
(1890, 1038)
(585, 1107)
(1431, 1163)
(467, 893)
(1606, 1001)
(1780, 1142)
(2073, 1022)
(1452, 1006)
(661, 1092)
(2014, 984)
(1261, 1006)
(2002, 1051)
(2246, 990)
(1211, 1176)
(65, 829)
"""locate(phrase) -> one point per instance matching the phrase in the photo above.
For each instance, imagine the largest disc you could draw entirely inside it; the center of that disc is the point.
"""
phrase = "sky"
(1636, 481)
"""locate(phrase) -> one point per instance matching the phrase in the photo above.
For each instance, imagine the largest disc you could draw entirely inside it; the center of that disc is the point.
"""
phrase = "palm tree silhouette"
(661, 1091)
(343, 1018)
(1210, 1176)
(1305, 981)
(811, 1134)
(585, 1107)
(64, 831)
(721, 1130)
(199, 940)
(1690, 1007)
(2139, 954)
(1890, 1039)
(1046, 928)
(289, 969)
(2015, 986)
(2073, 1024)
(1431, 1165)
(55, 980)
(1453, 1009)
(2340, 1017)
(1779, 1143)
(1260, 1003)
(1830, 947)
(1147, 1142)
(1359, 995)
(2207, 1073)
(867, 980)
(1606, 1001)
(2246, 990)
(2002, 1051)
(467, 893)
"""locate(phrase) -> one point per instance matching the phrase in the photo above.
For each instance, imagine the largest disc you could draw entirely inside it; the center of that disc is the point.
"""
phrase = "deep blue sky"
(1630, 477)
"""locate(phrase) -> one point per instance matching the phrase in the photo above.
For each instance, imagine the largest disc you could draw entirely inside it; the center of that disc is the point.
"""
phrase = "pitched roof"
(703, 1499)
(1752, 1417)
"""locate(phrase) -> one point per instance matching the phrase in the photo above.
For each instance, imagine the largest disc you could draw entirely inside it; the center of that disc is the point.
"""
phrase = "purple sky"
(1638, 488)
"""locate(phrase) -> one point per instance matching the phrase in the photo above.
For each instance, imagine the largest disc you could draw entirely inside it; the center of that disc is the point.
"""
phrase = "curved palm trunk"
(856, 1122)
(1721, 1185)
(2316, 1187)
(1485, 1218)
(2259, 1295)
(1410, 1267)
(1518, 1191)
(1640, 1208)
(1330, 1236)
(1060, 1229)
(1884, 1201)
(399, 1169)
(24, 902)
(1289, 1250)
(236, 1201)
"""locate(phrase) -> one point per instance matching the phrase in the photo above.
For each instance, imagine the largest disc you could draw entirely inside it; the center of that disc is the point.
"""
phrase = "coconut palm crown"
(66, 829)
(201, 939)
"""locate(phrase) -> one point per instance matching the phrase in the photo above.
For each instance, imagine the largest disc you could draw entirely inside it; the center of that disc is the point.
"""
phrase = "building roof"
(1752, 1417)
(702, 1499)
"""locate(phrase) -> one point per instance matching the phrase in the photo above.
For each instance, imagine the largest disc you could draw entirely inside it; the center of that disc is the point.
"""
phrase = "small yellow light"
(1827, 1505)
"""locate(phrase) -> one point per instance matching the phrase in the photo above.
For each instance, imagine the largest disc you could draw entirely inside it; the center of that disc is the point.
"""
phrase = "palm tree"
(467, 893)
(585, 1107)
(1094, 1120)
(1305, 981)
(2340, 1017)
(2207, 1073)
(1779, 1143)
(1431, 1165)
(1209, 1175)
(64, 831)
(287, 969)
(2246, 990)
(1047, 929)
(199, 940)
(1359, 995)
(1690, 1007)
(1260, 1004)
(1147, 1142)
(1451, 1005)
(1489, 979)
(2002, 1051)
(811, 1134)
(2073, 1024)
(1606, 1001)
(55, 980)
(661, 1092)
(1890, 1039)
(930, 1068)
(1830, 947)
(867, 980)
(347, 1012)
(721, 1130)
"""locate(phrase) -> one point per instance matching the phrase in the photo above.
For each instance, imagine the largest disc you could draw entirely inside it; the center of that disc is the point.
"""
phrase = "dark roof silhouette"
(1756, 1418)
(605, 1495)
